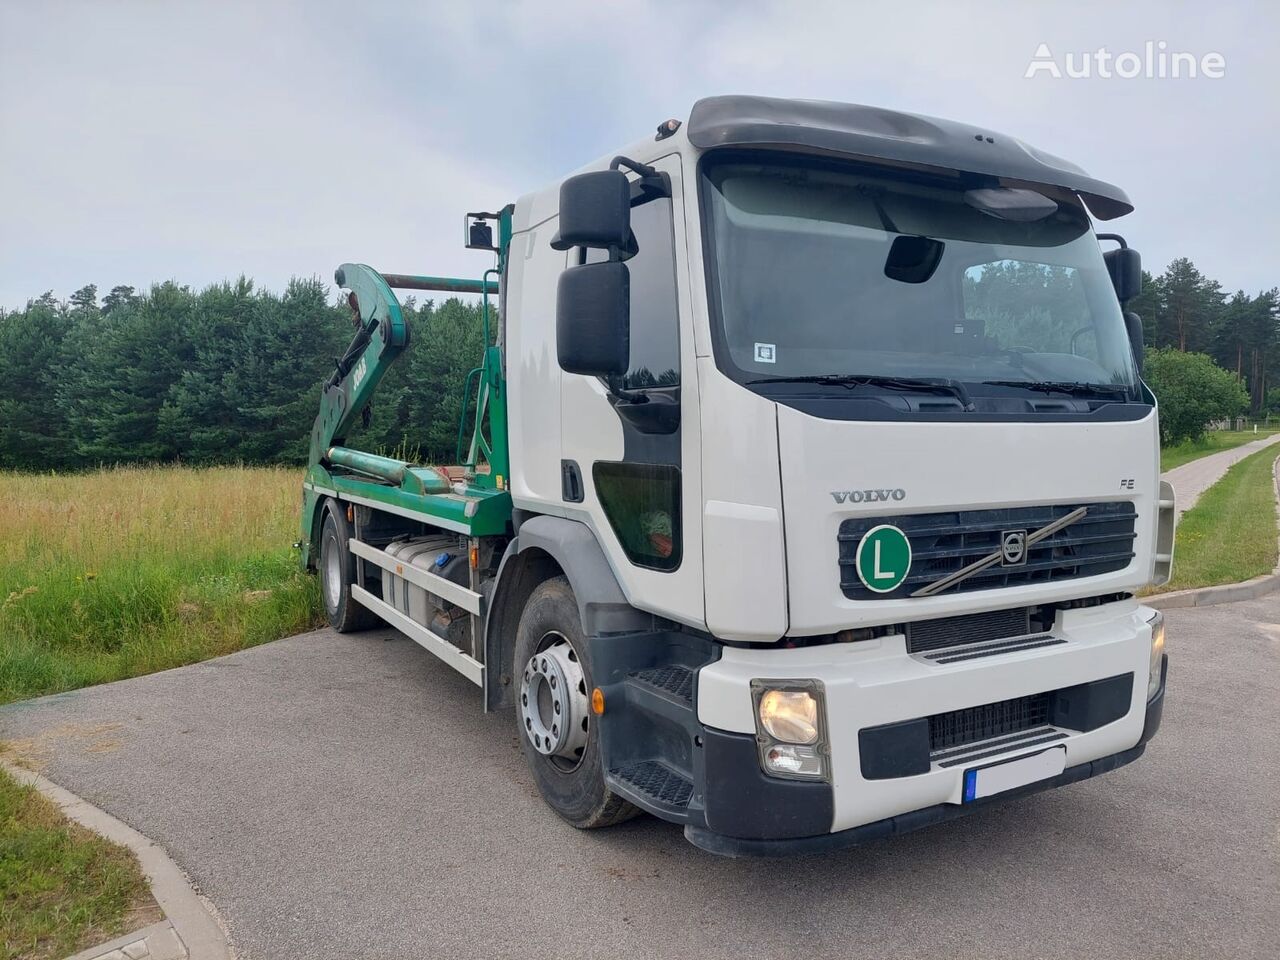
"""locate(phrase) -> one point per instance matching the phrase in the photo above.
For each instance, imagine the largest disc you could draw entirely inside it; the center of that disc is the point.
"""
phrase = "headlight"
(1157, 654)
(789, 715)
(791, 728)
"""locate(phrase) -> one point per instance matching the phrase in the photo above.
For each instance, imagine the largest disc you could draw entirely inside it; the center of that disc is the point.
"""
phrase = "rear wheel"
(557, 730)
(338, 573)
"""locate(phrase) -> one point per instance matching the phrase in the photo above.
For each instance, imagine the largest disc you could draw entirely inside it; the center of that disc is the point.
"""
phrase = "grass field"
(126, 571)
(1213, 442)
(1230, 534)
(62, 888)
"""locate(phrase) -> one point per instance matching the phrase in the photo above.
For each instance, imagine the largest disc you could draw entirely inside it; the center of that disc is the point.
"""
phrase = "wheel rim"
(554, 707)
(332, 574)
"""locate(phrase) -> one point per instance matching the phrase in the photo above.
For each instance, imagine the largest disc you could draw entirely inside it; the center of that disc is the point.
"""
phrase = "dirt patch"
(34, 752)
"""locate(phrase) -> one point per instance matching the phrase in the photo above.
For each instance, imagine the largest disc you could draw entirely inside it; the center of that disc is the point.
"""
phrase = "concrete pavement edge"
(194, 919)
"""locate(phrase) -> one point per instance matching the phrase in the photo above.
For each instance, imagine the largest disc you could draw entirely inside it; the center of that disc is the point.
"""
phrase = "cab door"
(630, 467)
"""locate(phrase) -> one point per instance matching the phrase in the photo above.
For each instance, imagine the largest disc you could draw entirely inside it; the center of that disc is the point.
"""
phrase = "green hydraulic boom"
(469, 496)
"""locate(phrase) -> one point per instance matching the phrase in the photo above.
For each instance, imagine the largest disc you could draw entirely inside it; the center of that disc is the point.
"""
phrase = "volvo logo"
(868, 496)
(1013, 548)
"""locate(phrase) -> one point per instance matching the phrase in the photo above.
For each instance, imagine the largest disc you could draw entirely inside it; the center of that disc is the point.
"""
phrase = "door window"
(655, 317)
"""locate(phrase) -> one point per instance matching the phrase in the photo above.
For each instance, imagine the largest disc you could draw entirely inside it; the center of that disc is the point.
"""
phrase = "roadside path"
(1192, 479)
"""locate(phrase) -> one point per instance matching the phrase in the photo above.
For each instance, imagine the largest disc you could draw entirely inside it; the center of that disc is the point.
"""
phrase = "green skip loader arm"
(478, 503)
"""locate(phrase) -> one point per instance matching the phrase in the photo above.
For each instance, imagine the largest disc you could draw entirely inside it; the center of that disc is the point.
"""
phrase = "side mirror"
(595, 211)
(593, 319)
(1125, 267)
(1133, 325)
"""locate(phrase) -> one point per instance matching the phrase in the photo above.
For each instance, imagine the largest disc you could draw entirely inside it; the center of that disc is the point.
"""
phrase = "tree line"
(1184, 310)
(227, 374)
(232, 373)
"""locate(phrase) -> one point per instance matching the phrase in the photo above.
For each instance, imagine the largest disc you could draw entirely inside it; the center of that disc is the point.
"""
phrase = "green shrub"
(1193, 391)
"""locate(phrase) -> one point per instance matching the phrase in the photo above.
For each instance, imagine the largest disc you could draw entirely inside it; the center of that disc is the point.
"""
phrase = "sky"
(198, 141)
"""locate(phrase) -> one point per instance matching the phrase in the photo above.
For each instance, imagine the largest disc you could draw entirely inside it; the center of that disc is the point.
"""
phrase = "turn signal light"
(597, 701)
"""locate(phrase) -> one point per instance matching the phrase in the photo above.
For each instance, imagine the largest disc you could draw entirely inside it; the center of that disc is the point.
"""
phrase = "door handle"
(571, 489)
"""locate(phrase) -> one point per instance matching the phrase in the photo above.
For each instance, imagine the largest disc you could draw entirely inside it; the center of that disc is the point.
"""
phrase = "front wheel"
(557, 729)
(338, 573)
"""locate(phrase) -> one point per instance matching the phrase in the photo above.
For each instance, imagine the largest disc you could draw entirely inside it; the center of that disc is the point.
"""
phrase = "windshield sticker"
(766, 353)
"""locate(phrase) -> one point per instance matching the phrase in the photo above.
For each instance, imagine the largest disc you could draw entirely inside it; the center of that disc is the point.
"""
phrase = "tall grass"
(126, 571)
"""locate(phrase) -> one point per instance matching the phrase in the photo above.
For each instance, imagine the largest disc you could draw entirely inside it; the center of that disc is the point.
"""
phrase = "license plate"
(998, 777)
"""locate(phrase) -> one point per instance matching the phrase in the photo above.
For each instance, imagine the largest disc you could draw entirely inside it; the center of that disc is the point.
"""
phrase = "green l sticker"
(884, 558)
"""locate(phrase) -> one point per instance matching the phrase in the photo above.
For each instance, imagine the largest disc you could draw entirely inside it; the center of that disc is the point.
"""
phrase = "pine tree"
(199, 420)
(33, 430)
(1192, 306)
(127, 362)
(86, 298)
(119, 297)
(283, 356)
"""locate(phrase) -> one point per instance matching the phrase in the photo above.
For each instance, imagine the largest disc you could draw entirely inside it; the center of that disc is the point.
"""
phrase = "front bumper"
(785, 807)
(877, 683)
(678, 736)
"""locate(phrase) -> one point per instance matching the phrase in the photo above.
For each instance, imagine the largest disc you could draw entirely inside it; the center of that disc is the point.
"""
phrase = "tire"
(337, 573)
(576, 790)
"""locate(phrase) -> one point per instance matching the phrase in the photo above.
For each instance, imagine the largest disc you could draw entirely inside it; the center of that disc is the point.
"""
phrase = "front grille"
(925, 635)
(999, 648)
(942, 543)
(960, 727)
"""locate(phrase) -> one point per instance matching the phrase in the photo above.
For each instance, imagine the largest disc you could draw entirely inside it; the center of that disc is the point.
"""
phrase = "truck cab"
(828, 479)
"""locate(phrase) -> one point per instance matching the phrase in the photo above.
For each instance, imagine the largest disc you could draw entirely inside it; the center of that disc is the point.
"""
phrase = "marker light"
(597, 701)
(1157, 654)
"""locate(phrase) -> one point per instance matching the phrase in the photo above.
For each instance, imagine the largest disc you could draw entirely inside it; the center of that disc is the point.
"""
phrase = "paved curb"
(156, 942)
(1226, 592)
(192, 918)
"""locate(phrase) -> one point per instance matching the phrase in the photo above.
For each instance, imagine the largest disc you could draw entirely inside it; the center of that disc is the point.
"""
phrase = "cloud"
(144, 141)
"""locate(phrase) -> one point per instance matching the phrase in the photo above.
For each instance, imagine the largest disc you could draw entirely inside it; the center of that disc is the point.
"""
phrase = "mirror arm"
(651, 181)
(614, 384)
(1114, 236)
(643, 169)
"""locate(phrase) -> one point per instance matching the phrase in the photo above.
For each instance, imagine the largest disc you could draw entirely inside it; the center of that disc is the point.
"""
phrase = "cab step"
(659, 785)
(651, 740)
(674, 681)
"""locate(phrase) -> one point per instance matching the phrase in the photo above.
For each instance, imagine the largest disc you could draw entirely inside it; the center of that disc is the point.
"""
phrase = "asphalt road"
(344, 797)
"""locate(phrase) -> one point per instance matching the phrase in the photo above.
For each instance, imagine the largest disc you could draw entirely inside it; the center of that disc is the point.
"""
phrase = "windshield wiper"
(941, 385)
(1075, 388)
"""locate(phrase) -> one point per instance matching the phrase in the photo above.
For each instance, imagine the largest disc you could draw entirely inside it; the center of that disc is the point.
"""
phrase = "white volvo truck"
(811, 482)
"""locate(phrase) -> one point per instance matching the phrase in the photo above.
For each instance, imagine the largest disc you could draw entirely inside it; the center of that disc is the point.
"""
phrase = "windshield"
(810, 282)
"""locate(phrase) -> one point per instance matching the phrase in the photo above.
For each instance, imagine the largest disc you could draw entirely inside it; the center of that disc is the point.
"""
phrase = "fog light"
(1157, 654)
(790, 715)
(791, 760)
